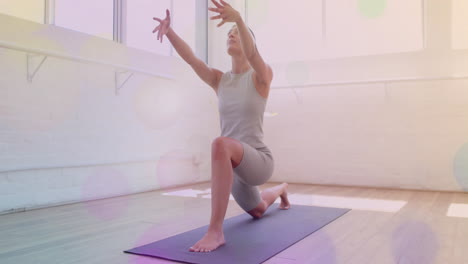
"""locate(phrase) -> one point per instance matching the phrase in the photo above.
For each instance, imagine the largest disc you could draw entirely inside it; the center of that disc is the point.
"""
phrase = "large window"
(322, 29)
(140, 23)
(131, 19)
(286, 32)
(87, 16)
(185, 21)
(459, 24)
(373, 27)
(33, 10)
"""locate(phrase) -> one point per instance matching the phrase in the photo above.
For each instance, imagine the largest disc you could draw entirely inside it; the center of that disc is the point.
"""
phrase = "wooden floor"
(384, 226)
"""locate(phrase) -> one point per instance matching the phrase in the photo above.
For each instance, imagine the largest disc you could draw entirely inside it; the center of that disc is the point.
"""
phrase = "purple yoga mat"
(248, 240)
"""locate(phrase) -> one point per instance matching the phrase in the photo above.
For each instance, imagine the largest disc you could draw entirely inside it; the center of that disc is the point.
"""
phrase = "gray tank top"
(241, 109)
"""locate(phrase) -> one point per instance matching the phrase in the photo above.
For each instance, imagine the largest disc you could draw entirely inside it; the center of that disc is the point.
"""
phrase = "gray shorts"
(255, 168)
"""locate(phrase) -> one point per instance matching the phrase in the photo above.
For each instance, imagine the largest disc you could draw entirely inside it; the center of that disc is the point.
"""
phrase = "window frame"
(119, 28)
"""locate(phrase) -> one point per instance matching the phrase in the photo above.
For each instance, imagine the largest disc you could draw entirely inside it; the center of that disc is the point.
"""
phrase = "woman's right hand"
(164, 25)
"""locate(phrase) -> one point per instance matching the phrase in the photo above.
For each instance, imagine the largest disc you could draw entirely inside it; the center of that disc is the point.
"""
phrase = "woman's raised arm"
(209, 75)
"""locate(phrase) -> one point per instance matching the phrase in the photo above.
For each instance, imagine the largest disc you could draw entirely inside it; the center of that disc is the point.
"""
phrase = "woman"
(240, 160)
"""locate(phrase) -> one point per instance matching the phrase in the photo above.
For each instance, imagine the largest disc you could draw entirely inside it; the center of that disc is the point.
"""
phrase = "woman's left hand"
(226, 12)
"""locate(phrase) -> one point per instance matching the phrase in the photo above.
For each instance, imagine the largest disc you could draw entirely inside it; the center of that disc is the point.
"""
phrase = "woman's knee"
(219, 147)
(258, 211)
(225, 146)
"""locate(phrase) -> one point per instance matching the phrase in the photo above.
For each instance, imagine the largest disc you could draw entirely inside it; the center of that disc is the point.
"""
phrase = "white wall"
(403, 135)
(68, 137)
(398, 134)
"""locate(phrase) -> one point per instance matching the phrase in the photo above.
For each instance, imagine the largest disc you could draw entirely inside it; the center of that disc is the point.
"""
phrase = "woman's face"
(233, 42)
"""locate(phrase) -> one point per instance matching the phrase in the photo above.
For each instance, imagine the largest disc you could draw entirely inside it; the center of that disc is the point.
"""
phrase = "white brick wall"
(401, 136)
(68, 128)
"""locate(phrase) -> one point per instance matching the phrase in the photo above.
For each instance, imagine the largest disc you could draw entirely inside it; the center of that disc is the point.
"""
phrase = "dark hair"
(252, 33)
(248, 28)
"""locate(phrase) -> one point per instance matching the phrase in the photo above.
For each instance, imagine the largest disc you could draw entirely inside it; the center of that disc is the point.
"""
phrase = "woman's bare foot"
(210, 242)
(284, 198)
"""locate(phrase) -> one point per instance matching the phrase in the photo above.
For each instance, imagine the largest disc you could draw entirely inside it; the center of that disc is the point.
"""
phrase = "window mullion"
(49, 16)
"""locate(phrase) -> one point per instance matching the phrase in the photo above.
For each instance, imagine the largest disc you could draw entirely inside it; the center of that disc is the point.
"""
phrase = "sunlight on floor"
(378, 205)
(347, 202)
(458, 210)
(188, 193)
